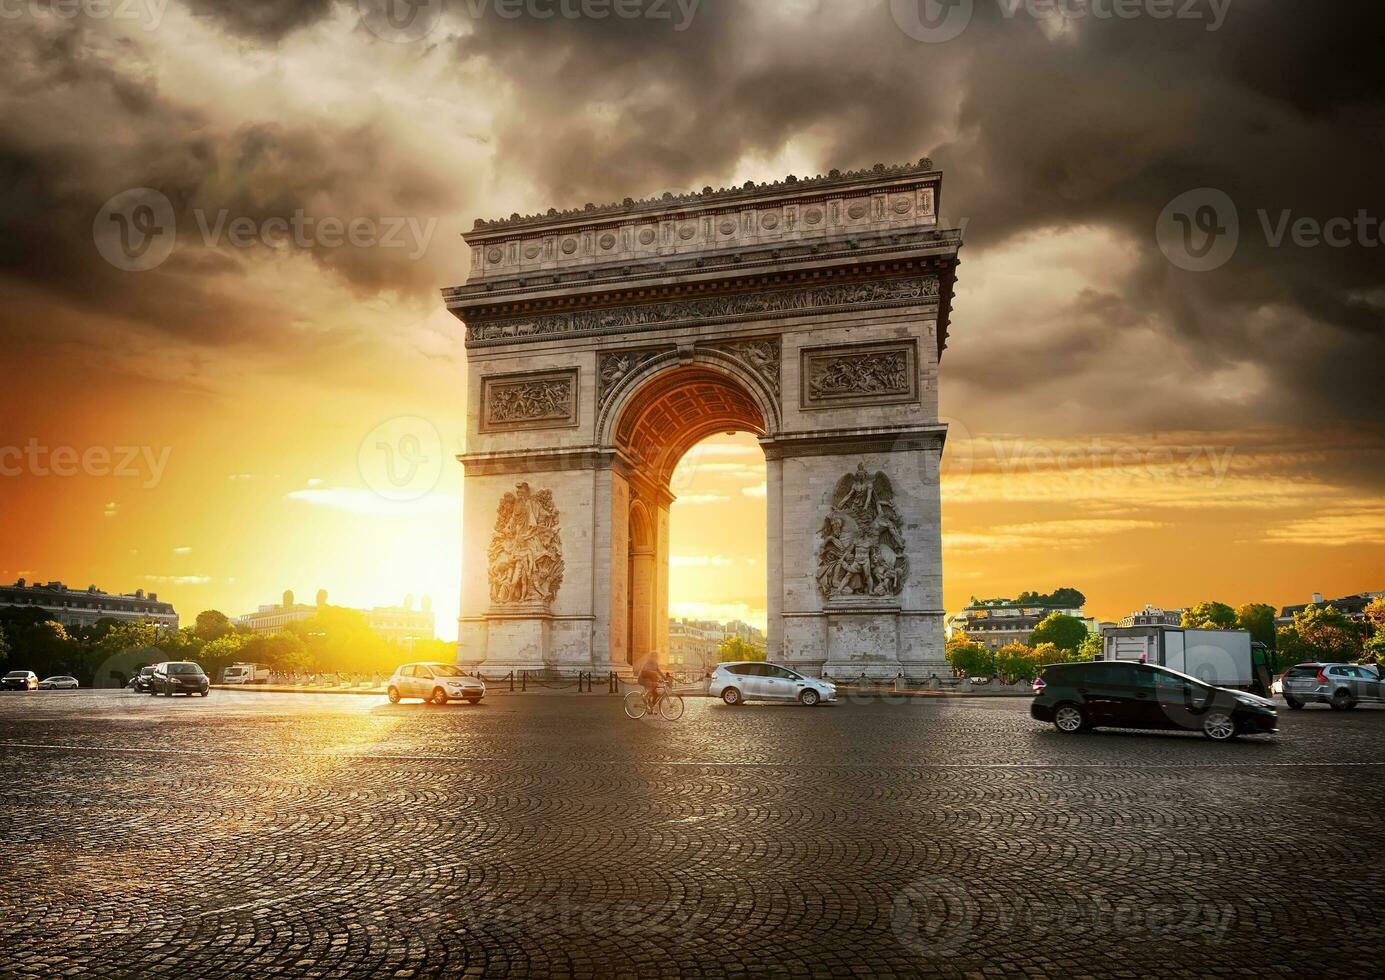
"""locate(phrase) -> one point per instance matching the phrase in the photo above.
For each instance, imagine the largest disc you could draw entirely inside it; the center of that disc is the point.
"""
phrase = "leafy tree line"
(1316, 633)
(333, 640)
(1058, 638)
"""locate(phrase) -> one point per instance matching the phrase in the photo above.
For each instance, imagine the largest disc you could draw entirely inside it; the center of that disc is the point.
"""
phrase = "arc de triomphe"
(603, 343)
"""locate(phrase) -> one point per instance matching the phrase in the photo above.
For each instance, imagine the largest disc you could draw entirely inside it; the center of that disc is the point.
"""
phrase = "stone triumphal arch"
(603, 343)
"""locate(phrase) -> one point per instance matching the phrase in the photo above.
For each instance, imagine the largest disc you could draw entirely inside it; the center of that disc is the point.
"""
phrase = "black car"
(143, 681)
(1116, 694)
(179, 677)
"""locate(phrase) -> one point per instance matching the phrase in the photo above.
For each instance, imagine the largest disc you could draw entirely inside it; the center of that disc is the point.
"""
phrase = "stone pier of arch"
(604, 343)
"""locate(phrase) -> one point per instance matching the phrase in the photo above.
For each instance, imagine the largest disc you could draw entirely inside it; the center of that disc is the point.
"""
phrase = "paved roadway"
(328, 836)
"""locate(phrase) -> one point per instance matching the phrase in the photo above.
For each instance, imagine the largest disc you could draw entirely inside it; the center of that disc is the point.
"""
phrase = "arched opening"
(667, 415)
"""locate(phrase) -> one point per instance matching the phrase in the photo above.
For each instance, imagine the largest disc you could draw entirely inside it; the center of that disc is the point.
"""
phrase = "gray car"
(1341, 686)
(756, 680)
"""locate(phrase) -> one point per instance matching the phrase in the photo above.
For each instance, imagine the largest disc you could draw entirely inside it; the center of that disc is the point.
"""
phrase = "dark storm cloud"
(263, 20)
(1040, 131)
(1101, 124)
(55, 178)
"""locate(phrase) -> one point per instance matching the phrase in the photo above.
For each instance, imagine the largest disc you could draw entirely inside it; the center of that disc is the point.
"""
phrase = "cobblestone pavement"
(319, 836)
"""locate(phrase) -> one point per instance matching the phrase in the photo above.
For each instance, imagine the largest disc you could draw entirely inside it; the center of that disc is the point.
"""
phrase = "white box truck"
(245, 674)
(1226, 658)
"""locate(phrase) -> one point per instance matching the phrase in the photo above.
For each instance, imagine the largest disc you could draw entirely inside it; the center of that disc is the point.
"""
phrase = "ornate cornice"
(747, 191)
(847, 293)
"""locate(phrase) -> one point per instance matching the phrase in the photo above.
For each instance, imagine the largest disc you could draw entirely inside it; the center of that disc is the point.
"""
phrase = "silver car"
(62, 682)
(756, 680)
(435, 682)
(1340, 685)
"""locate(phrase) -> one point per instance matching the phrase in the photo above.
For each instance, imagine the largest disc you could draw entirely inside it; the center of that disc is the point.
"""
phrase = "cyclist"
(650, 678)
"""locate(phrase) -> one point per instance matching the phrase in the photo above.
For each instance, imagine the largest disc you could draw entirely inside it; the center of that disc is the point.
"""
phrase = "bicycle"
(669, 704)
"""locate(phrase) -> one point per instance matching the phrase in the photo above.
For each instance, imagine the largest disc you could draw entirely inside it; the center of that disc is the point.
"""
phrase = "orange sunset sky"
(1139, 432)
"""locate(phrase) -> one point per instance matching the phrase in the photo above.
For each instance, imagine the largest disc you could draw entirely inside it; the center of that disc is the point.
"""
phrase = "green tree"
(1374, 649)
(221, 652)
(967, 657)
(212, 625)
(1210, 616)
(1321, 633)
(4, 645)
(1091, 649)
(1063, 631)
(1257, 618)
(1375, 615)
(282, 651)
(1018, 662)
(734, 648)
(1065, 598)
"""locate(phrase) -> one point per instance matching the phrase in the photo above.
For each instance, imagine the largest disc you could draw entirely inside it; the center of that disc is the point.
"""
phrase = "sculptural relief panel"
(525, 558)
(861, 543)
(881, 373)
(529, 401)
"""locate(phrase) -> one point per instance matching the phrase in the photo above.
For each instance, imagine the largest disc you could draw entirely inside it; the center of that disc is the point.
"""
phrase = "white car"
(60, 683)
(438, 683)
(756, 680)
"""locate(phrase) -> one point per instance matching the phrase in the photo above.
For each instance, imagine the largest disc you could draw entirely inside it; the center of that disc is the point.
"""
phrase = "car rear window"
(1302, 672)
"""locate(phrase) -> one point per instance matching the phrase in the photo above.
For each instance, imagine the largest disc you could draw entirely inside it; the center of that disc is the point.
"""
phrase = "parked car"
(179, 677)
(19, 680)
(1081, 696)
(61, 682)
(143, 681)
(757, 680)
(438, 683)
(1342, 686)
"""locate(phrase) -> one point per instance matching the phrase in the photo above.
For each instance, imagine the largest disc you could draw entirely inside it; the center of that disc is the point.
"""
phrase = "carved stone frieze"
(526, 550)
(872, 373)
(861, 544)
(728, 306)
(529, 400)
(760, 356)
(615, 366)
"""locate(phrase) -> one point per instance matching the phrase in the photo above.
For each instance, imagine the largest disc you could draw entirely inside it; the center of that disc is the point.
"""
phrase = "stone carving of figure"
(526, 554)
(861, 550)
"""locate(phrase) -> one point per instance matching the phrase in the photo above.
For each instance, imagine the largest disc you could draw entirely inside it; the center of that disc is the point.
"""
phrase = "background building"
(1351, 606)
(694, 644)
(402, 624)
(996, 622)
(73, 607)
(1153, 616)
